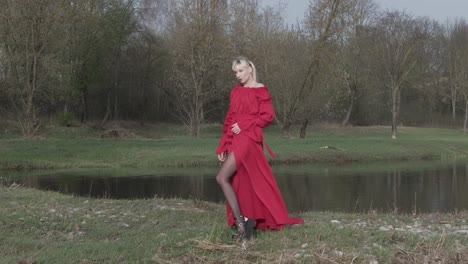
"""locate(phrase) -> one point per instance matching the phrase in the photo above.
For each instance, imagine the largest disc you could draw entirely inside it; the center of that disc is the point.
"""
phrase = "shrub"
(65, 119)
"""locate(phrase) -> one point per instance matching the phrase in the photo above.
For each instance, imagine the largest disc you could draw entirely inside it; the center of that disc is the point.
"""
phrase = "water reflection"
(429, 189)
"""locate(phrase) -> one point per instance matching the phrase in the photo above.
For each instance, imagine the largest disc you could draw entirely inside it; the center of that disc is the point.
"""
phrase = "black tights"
(223, 178)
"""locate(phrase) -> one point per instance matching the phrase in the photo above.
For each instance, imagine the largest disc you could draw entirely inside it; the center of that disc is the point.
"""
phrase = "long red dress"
(257, 192)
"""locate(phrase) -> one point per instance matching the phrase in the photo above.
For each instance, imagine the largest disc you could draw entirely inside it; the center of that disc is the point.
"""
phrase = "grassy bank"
(168, 145)
(47, 227)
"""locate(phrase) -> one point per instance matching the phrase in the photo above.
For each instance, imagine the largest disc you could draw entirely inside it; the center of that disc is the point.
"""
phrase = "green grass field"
(167, 145)
(47, 227)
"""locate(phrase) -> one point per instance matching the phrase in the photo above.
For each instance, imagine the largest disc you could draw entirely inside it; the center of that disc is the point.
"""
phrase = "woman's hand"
(235, 129)
(222, 156)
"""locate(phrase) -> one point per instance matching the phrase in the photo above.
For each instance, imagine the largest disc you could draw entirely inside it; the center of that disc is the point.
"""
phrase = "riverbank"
(48, 227)
(167, 145)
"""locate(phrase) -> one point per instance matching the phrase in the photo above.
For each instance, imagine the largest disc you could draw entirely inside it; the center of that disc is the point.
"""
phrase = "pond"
(432, 186)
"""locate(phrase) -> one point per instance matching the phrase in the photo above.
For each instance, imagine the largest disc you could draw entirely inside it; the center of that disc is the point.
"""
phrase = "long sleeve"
(265, 112)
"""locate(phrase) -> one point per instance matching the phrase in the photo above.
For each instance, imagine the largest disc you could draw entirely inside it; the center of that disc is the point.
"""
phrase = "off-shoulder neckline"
(247, 87)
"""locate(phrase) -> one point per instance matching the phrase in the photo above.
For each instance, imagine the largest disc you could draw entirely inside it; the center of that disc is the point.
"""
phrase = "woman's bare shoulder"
(258, 85)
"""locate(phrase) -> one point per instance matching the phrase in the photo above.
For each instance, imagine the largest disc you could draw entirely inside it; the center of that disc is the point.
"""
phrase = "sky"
(440, 10)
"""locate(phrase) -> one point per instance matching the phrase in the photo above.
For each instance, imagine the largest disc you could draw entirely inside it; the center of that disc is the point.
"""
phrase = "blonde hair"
(243, 61)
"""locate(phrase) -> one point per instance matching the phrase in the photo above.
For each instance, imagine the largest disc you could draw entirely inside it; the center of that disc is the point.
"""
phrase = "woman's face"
(243, 74)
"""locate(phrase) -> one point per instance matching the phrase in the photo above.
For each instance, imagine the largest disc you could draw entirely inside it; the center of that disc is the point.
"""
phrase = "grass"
(167, 145)
(47, 227)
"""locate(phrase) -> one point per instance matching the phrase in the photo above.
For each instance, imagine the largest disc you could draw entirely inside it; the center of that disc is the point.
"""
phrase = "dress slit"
(253, 181)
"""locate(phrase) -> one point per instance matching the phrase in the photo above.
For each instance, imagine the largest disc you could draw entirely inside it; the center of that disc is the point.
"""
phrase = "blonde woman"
(252, 195)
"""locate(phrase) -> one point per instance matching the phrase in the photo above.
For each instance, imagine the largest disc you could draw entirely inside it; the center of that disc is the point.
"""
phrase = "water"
(407, 187)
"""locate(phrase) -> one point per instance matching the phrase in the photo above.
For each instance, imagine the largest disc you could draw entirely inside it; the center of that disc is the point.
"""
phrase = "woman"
(253, 197)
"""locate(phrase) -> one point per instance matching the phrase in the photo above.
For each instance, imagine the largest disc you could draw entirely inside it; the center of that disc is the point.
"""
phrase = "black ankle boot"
(245, 228)
(240, 225)
(249, 226)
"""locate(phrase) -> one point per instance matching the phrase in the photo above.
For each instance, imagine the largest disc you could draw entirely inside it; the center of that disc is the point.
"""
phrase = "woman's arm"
(265, 114)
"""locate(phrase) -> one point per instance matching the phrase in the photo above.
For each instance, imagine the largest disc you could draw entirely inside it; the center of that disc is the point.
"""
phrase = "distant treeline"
(347, 62)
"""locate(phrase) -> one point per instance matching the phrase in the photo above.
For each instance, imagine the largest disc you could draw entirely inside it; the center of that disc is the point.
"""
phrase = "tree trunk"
(395, 108)
(195, 130)
(84, 105)
(304, 128)
(195, 125)
(285, 129)
(116, 110)
(394, 128)
(313, 69)
(29, 121)
(108, 109)
(453, 98)
(196, 118)
(466, 117)
(348, 113)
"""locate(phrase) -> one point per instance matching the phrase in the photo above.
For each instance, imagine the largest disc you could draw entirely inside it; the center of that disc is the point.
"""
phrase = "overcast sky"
(437, 9)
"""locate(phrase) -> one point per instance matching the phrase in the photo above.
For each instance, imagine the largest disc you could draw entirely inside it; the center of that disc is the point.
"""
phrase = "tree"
(197, 49)
(320, 23)
(345, 74)
(286, 71)
(353, 46)
(458, 64)
(397, 38)
(31, 33)
(431, 83)
(119, 24)
(86, 37)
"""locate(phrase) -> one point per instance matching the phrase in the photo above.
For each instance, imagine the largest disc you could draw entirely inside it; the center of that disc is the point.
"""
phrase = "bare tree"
(152, 14)
(161, 60)
(452, 65)
(31, 33)
(432, 81)
(86, 35)
(354, 44)
(345, 62)
(320, 23)
(457, 41)
(120, 23)
(196, 41)
(286, 72)
(242, 27)
(397, 40)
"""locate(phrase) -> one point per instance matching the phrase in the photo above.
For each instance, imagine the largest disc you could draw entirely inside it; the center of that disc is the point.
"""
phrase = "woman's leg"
(244, 227)
(223, 178)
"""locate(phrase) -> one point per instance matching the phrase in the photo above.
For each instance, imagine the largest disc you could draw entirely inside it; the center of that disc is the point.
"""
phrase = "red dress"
(257, 192)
